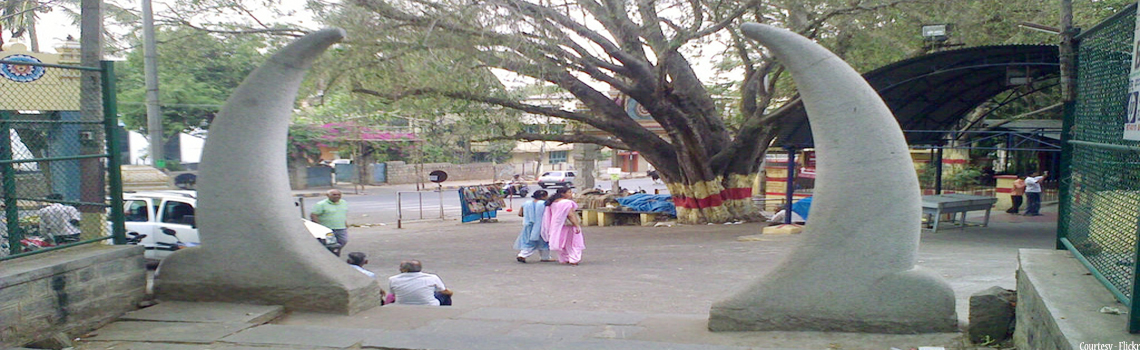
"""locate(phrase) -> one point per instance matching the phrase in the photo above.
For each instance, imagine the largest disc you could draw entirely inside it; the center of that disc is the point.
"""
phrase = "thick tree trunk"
(717, 201)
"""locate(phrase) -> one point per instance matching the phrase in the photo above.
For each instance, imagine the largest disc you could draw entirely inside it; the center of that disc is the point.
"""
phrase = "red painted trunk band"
(736, 193)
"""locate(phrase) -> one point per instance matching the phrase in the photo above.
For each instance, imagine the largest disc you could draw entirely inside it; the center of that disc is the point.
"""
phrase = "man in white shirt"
(58, 221)
(413, 287)
(1033, 193)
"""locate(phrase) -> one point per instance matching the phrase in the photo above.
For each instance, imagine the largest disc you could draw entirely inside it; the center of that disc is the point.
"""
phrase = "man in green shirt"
(333, 213)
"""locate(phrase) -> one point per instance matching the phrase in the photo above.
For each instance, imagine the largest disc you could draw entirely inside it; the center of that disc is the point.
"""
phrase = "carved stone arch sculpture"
(254, 247)
(855, 269)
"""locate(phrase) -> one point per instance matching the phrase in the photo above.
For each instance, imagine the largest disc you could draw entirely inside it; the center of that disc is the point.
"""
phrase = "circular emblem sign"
(19, 72)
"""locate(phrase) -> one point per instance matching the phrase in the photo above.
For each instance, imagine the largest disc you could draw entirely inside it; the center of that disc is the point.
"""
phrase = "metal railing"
(59, 167)
(420, 204)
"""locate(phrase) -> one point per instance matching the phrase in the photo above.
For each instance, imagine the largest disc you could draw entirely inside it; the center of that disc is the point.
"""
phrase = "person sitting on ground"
(357, 260)
(58, 221)
(414, 287)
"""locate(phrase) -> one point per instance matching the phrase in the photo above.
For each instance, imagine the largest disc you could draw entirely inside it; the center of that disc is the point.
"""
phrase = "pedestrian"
(1018, 194)
(1033, 193)
(333, 213)
(653, 174)
(531, 238)
(357, 260)
(59, 222)
(414, 287)
(561, 224)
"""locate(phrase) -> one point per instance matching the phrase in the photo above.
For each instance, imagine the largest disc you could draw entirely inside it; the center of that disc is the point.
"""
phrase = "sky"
(54, 27)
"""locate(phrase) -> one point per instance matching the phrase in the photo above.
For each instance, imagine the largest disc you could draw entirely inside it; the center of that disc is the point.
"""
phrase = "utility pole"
(1068, 84)
(150, 70)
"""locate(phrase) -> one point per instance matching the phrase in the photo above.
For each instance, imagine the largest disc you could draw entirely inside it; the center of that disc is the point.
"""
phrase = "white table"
(936, 205)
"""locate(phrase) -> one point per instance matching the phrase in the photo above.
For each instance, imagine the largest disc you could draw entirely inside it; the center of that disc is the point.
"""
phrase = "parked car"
(167, 220)
(556, 179)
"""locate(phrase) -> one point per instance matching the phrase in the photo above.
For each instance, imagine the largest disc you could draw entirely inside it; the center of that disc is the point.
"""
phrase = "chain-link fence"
(59, 184)
(1100, 183)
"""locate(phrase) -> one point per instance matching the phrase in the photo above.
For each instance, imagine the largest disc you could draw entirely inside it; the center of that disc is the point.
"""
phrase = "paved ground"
(635, 285)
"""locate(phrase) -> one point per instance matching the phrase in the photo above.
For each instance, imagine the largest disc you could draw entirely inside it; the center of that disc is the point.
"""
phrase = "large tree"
(639, 50)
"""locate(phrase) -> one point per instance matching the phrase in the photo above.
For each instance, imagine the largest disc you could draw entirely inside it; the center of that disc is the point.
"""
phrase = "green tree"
(196, 72)
(644, 50)
(717, 127)
(19, 17)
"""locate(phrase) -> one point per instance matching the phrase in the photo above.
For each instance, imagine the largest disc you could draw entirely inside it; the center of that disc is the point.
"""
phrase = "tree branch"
(290, 32)
(553, 112)
(570, 138)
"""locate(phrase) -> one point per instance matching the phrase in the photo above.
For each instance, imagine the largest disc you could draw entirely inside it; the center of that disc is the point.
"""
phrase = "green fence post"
(114, 168)
(1133, 306)
(1066, 181)
(8, 171)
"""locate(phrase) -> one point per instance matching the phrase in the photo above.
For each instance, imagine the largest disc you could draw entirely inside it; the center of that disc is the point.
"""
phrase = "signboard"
(54, 89)
(437, 176)
(1131, 124)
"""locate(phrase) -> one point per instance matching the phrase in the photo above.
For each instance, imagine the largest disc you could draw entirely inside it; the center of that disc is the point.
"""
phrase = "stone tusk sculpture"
(855, 269)
(254, 247)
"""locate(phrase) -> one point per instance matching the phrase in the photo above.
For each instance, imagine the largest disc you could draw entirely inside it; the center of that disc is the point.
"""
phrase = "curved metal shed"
(935, 91)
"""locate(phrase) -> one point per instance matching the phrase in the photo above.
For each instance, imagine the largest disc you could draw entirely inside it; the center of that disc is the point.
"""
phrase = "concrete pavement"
(637, 288)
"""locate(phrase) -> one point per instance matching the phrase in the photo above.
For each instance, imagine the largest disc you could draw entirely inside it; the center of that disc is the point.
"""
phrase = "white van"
(151, 213)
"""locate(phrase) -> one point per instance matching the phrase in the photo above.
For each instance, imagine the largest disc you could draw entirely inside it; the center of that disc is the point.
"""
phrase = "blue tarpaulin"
(660, 203)
(802, 207)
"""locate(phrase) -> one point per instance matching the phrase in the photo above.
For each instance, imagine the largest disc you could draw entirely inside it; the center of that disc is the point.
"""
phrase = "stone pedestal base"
(783, 229)
(194, 275)
(909, 302)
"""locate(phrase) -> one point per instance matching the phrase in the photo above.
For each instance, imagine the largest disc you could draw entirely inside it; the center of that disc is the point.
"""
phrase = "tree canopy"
(197, 72)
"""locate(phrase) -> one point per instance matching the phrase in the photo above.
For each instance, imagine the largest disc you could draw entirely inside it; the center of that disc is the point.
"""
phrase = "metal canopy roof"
(935, 91)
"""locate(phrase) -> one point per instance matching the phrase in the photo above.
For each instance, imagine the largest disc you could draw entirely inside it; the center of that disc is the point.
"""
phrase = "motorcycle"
(134, 238)
(515, 189)
(178, 243)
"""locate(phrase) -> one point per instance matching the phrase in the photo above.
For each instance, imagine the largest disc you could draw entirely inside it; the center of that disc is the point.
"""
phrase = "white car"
(556, 179)
(159, 214)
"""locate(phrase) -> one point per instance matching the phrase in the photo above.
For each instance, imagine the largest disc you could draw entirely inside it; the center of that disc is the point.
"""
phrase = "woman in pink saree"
(561, 226)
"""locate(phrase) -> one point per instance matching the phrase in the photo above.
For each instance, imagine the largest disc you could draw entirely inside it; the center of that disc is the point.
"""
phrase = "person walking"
(531, 238)
(562, 225)
(332, 212)
(1033, 193)
(1017, 195)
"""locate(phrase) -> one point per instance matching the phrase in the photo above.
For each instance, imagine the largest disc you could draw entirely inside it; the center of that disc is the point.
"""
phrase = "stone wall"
(400, 172)
(70, 291)
(1059, 305)
(403, 173)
